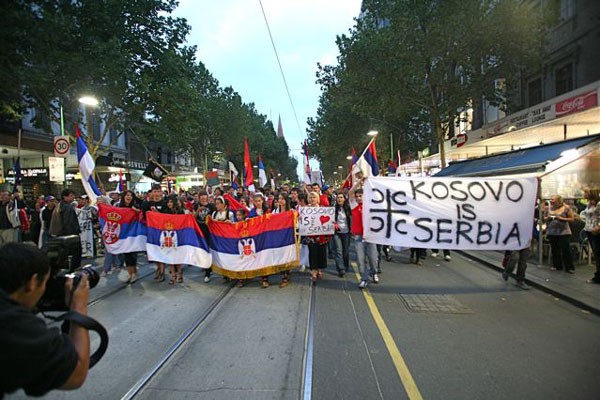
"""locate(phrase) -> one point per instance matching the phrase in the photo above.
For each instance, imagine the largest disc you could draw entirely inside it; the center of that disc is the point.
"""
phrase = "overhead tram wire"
(287, 89)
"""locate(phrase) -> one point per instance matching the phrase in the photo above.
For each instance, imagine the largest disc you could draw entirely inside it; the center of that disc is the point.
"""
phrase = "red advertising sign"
(577, 103)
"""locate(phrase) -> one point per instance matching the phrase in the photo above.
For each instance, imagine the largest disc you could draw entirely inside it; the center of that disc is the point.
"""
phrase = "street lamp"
(372, 133)
(89, 101)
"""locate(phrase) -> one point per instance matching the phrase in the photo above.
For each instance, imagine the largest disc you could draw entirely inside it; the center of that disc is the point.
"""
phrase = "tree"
(408, 62)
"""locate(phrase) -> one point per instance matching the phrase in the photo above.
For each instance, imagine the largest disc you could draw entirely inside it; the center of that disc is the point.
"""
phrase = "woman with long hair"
(317, 246)
(175, 270)
(129, 200)
(282, 204)
(342, 223)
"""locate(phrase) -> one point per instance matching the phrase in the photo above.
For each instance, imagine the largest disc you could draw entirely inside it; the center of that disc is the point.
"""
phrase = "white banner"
(57, 169)
(449, 213)
(314, 221)
(87, 231)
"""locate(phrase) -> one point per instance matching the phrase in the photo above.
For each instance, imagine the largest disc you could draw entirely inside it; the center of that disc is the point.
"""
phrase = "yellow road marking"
(405, 376)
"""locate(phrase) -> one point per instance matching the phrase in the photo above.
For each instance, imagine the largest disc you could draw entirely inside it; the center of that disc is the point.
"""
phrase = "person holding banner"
(343, 221)
(283, 205)
(202, 209)
(155, 203)
(317, 246)
(175, 270)
(362, 247)
(129, 200)
(260, 208)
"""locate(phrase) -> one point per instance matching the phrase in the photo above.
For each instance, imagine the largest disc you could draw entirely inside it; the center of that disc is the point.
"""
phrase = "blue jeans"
(370, 251)
(110, 260)
(342, 253)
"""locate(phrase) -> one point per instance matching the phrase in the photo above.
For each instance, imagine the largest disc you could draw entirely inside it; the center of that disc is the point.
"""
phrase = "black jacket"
(70, 223)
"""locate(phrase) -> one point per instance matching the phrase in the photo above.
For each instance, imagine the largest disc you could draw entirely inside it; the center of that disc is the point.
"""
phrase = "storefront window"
(564, 79)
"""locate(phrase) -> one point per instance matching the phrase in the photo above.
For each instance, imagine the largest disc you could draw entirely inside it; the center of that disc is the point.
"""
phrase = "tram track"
(162, 364)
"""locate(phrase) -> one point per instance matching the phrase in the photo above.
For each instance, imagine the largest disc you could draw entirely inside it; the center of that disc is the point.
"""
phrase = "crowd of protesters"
(37, 222)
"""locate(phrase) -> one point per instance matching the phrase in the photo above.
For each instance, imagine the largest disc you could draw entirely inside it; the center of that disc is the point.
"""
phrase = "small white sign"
(316, 221)
(61, 146)
(57, 169)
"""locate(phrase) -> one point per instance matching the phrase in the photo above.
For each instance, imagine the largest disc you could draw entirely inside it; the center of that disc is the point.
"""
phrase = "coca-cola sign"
(577, 103)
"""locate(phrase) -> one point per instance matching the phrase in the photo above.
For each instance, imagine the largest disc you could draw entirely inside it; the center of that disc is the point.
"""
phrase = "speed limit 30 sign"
(61, 146)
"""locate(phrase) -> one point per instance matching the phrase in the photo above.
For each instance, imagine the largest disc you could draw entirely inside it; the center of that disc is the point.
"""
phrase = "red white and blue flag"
(122, 231)
(260, 246)
(86, 167)
(176, 239)
(367, 163)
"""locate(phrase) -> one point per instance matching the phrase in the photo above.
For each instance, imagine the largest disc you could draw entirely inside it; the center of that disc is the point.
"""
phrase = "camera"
(58, 251)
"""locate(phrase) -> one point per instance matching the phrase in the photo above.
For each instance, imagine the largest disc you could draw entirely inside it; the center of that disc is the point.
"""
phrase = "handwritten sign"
(87, 231)
(314, 221)
(449, 213)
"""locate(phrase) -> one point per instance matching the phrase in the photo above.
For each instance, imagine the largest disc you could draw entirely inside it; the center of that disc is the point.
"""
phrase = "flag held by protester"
(248, 173)
(86, 168)
(257, 247)
(122, 231)
(262, 174)
(176, 239)
(367, 163)
(155, 171)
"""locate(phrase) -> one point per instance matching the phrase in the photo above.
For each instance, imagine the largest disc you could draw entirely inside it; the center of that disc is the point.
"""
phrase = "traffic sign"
(61, 146)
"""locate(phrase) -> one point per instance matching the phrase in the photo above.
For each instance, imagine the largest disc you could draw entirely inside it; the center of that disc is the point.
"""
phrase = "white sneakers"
(206, 279)
(447, 257)
(363, 284)
(376, 278)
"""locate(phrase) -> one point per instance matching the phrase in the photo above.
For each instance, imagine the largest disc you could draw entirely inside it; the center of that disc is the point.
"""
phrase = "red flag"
(249, 175)
(234, 205)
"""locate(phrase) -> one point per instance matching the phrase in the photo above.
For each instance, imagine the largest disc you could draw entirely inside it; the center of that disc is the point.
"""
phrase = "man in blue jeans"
(362, 248)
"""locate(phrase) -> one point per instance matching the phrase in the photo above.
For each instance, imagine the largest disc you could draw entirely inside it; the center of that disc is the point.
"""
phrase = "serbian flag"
(248, 174)
(260, 246)
(122, 231)
(86, 167)
(176, 239)
(391, 167)
(367, 163)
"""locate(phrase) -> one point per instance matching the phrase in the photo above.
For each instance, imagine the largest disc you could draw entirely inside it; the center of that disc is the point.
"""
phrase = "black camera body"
(58, 251)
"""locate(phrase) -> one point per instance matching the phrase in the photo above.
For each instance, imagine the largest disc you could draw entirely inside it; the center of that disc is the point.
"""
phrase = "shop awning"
(523, 161)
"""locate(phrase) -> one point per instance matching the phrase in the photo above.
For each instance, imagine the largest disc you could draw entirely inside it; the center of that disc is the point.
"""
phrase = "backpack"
(56, 225)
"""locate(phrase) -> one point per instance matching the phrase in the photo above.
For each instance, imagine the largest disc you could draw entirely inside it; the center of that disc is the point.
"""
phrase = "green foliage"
(412, 65)
(130, 54)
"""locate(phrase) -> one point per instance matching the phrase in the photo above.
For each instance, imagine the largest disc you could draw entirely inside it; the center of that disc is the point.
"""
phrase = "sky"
(233, 43)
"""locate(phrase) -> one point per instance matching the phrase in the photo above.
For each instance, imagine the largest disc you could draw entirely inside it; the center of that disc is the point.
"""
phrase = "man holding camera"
(34, 357)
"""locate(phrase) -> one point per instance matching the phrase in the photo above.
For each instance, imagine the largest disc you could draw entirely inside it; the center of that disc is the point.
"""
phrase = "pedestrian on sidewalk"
(559, 234)
(591, 215)
(516, 258)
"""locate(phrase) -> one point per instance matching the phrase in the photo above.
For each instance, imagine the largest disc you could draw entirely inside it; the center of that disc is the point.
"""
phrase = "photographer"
(35, 357)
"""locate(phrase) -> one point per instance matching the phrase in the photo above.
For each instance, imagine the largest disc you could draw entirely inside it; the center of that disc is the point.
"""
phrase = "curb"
(543, 288)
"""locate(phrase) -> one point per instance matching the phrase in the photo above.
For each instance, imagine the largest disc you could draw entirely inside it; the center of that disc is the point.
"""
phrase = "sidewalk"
(568, 287)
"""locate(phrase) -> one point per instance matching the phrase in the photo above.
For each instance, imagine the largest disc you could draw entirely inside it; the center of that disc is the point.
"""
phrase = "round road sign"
(61, 146)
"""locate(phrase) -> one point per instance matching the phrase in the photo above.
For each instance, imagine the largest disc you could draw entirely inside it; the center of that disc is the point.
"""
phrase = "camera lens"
(93, 277)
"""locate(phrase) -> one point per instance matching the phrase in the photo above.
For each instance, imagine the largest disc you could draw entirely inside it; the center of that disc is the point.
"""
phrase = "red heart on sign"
(324, 218)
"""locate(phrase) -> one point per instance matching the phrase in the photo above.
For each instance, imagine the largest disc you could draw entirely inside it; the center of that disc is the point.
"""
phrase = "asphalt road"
(444, 330)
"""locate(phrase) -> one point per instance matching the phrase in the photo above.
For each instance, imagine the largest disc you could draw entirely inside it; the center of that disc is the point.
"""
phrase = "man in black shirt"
(201, 211)
(155, 203)
(34, 357)
(70, 225)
